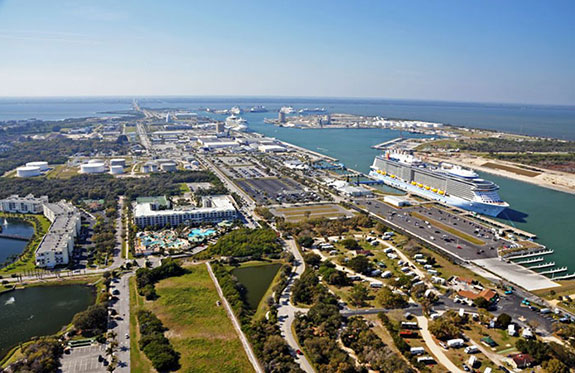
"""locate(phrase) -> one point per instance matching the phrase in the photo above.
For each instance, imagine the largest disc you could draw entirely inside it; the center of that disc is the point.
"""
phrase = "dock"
(14, 237)
(542, 265)
(530, 261)
(383, 145)
(552, 271)
(564, 277)
(532, 254)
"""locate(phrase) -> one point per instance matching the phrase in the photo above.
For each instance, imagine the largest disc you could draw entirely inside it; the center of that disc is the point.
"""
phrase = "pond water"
(8, 246)
(257, 280)
(39, 311)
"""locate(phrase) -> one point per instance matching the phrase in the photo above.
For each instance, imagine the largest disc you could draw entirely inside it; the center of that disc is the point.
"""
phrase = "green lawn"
(199, 329)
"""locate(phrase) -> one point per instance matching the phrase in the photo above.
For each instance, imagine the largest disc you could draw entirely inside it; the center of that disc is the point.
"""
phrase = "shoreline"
(536, 180)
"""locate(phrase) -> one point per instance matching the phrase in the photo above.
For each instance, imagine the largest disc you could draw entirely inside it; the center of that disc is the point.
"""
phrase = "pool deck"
(517, 274)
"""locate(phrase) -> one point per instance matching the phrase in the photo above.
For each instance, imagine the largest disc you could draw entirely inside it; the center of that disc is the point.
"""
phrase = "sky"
(476, 51)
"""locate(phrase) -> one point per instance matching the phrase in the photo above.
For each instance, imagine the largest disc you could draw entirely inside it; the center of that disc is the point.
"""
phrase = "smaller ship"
(287, 110)
(258, 109)
(311, 111)
(236, 110)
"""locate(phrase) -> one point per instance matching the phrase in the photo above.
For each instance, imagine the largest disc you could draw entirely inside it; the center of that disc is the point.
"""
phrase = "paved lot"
(517, 274)
(275, 189)
(83, 359)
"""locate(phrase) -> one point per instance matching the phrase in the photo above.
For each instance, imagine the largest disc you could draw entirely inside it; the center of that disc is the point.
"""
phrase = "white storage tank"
(169, 167)
(116, 170)
(149, 167)
(93, 168)
(93, 161)
(41, 164)
(118, 162)
(28, 171)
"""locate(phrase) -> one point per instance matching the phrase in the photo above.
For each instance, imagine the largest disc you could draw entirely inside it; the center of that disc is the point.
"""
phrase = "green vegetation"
(323, 227)
(556, 161)
(448, 326)
(102, 186)
(506, 145)
(370, 349)
(247, 242)
(138, 361)
(388, 299)
(41, 356)
(93, 321)
(154, 344)
(146, 278)
(55, 151)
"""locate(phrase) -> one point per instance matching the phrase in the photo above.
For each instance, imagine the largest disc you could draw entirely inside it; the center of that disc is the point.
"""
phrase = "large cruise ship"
(447, 183)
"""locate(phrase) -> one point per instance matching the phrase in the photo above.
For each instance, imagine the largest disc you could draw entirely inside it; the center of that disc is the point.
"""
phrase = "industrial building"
(28, 171)
(41, 164)
(57, 245)
(23, 205)
(396, 201)
(347, 189)
(214, 209)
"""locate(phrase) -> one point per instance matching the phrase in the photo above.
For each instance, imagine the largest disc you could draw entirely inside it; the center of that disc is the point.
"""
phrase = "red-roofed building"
(487, 294)
(522, 361)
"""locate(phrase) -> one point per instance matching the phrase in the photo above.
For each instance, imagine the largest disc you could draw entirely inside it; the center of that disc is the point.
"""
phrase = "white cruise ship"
(236, 123)
(446, 183)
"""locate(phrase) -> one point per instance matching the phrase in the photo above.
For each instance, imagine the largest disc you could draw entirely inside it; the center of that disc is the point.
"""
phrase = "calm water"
(257, 280)
(554, 121)
(38, 311)
(9, 247)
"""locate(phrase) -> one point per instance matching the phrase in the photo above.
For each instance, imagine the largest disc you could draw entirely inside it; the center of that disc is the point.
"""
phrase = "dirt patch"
(515, 170)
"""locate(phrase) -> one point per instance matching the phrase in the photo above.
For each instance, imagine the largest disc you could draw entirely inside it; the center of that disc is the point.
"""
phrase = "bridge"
(14, 237)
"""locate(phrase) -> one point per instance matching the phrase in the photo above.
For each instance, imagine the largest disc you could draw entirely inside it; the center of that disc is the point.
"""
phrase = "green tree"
(360, 264)
(359, 294)
(503, 321)
(388, 299)
(555, 366)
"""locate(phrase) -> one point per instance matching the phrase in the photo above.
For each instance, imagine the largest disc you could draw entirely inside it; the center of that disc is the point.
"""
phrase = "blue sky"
(485, 51)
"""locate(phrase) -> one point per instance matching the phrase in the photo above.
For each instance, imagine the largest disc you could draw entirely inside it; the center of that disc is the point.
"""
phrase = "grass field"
(449, 229)
(294, 214)
(62, 171)
(198, 329)
(515, 170)
(139, 363)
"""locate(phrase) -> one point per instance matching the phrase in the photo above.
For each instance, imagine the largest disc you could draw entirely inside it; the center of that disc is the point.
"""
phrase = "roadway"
(287, 311)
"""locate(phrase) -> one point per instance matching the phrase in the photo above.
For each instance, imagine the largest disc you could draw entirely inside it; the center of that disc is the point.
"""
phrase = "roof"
(522, 360)
(466, 280)
(486, 294)
(159, 200)
(488, 341)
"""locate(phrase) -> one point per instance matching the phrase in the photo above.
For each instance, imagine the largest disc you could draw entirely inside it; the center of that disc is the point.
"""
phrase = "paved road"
(287, 311)
(121, 325)
(436, 350)
(247, 347)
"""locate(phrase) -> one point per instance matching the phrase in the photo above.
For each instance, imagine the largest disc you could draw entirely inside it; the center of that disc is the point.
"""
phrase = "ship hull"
(478, 207)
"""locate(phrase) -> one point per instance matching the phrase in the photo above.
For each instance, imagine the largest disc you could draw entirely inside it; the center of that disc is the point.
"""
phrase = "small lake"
(256, 279)
(8, 246)
(39, 311)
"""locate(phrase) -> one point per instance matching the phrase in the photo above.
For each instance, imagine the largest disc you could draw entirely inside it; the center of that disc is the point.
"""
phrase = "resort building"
(23, 205)
(57, 245)
(214, 210)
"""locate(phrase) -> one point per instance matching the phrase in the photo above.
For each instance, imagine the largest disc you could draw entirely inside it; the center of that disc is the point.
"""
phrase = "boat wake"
(10, 301)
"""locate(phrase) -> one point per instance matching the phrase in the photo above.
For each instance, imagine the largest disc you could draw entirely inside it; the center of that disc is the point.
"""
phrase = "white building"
(214, 209)
(23, 205)
(396, 201)
(58, 244)
(271, 148)
(348, 189)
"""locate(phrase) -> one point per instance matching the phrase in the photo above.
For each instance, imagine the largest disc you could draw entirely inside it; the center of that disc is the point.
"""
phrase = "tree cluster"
(146, 277)
(154, 344)
(370, 349)
(325, 227)
(42, 356)
(92, 321)
(247, 242)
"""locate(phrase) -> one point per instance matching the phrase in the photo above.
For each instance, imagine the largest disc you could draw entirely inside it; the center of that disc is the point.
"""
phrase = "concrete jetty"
(552, 271)
(531, 254)
(385, 144)
(542, 265)
(529, 261)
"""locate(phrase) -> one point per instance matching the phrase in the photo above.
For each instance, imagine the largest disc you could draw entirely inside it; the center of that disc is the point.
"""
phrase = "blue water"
(552, 121)
(8, 246)
(201, 233)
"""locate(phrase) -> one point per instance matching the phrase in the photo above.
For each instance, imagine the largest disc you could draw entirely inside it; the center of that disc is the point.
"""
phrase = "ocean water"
(536, 120)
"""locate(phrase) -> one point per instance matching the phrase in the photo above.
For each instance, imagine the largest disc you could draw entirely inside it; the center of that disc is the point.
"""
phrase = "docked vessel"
(258, 109)
(444, 182)
(287, 109)
(236, 110)
(236, 123)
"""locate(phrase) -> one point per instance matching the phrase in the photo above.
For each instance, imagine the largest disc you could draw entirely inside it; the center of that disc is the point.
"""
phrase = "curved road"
(287, 311)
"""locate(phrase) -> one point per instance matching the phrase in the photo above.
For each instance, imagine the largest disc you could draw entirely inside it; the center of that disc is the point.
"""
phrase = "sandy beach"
(561, 181)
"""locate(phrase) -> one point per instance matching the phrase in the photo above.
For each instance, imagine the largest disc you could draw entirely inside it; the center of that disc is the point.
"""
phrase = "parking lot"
(273, 190)
(84, 359)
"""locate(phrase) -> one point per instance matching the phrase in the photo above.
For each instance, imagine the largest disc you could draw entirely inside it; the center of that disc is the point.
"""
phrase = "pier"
(542, 265)
(532, 254)
(530, 261)
(383, 145)
(14, 237)
(564, 277)
(552, 271)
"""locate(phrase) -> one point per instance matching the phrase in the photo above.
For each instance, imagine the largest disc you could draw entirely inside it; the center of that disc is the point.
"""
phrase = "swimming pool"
(200, 233)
